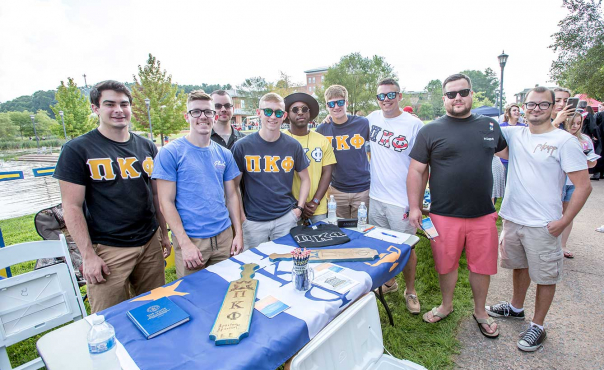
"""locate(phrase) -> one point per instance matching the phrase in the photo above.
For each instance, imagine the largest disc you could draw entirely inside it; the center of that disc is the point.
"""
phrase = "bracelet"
(316, 201)
(298, 207)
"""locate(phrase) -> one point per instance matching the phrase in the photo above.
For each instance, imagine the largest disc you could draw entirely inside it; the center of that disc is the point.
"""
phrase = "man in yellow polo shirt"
(301, 109)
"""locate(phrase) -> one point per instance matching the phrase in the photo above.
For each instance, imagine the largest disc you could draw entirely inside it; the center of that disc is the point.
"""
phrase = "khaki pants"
(213, 250)
(348, 203)
(136, 269)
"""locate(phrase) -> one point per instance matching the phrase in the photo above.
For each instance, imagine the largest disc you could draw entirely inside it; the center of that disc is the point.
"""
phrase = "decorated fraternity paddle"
(332, 255)
(233, 321)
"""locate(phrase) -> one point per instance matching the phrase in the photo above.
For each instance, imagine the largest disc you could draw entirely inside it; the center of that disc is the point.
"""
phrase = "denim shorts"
(567, 192)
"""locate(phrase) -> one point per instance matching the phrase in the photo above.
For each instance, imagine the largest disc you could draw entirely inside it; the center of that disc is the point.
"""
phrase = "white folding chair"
(352, 341)
(37, 301)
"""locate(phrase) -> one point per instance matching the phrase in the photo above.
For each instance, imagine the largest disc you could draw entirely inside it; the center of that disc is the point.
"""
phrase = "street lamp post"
(503, 58)
(63, 120)
(33, 121)
(148, 103)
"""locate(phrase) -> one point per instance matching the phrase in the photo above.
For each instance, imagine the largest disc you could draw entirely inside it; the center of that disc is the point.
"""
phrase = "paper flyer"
(389, 236)
(270, 306)
(334, 281)
(429, 228)
(329, 266)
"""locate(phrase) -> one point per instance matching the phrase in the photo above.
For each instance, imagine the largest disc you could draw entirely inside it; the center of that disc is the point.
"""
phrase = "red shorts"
(478, 236)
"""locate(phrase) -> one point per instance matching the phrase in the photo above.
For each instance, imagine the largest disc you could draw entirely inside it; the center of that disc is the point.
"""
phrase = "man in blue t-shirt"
(348, 134)
(193, 175)
(266, 160)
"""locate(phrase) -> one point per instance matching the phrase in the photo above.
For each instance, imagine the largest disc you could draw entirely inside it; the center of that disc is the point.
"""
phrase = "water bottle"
(331, 208)
(102, 345)
(362, 217)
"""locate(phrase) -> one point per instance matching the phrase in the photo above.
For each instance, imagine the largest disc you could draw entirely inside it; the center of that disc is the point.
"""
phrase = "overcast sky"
(46, 41)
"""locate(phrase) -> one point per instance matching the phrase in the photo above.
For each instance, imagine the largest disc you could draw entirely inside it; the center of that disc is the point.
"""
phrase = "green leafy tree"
(39, 100)
(47, 126)
(426, 111)
(284, 85)
(205, 87)
(252, 90)
(434, 93)
(485, 82)
(579, 45)
(76, 109)
(360, 76)
(8, 130)
(167, 103)
(23, 122)
(479, 99)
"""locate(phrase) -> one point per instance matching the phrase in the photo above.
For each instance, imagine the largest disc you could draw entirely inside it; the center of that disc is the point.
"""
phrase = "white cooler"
(352, 341)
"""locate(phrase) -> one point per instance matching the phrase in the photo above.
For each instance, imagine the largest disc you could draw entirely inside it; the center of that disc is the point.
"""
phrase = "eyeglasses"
(391, 95)
(463, 93)
(332, 104)
(544, 105)
(196, 113)
(269, 112)
(226, 106)
(301, 110)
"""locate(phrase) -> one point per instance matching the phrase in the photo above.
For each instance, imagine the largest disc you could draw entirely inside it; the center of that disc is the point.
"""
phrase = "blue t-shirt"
(351, 173)
(199, 174)
(504, 124)
(268, 174)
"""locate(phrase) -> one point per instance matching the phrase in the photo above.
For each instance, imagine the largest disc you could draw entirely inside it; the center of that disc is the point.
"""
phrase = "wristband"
(298, 207)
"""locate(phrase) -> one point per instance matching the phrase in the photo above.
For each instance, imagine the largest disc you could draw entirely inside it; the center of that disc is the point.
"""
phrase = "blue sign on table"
(11, 175)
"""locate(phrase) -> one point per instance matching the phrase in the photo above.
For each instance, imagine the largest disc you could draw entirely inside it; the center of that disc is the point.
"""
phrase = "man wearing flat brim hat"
(301, 109)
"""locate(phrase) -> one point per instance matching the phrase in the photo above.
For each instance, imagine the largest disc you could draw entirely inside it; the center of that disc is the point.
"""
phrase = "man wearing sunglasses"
(268, 160)
(458, 148)
(540, 158)
(392, 136)
(301, 109)
(223, 132)
(348, 134)
(193, 175)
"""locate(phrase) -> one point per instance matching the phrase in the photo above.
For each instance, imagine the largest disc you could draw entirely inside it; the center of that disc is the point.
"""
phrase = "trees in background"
(75, 107)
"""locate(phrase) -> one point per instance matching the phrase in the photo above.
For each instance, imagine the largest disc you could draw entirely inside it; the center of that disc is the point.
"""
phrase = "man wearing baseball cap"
(301, 109)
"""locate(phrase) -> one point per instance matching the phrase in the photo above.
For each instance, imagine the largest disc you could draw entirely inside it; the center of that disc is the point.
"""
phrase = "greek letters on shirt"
(268, 163)
(345, 142)
(129, 168)
(386, 139)
(316, 154)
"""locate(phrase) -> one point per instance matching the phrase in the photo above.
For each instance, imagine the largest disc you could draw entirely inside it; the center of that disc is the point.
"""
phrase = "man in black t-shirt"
(110, 202)
(459, 149)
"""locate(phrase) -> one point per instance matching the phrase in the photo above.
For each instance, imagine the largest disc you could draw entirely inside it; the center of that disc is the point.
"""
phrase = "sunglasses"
(269, 112)
(302, 110)
(196, 113)
(463, 93)
(391, 95)
(226, 106)
(332, 104)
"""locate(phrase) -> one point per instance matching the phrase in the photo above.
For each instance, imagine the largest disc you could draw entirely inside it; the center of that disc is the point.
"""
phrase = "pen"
(394, 236)
(369, 228)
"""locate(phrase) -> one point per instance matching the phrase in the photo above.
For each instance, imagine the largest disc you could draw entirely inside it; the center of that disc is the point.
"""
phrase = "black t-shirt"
(460, 154)
(118, 204)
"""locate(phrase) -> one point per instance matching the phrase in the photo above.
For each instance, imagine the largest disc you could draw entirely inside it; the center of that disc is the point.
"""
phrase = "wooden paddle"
(233, 321)
(332, 255)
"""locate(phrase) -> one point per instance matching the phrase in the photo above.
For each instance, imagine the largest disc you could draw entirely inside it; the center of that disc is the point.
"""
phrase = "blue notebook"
(157, 317)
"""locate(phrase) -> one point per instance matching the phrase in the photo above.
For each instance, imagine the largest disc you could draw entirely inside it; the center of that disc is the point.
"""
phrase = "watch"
(316, 201)
(298, 207)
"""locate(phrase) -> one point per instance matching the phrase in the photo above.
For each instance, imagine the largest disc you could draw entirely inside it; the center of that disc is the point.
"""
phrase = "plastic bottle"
(362, 217)
(331, 208)
(102, 345)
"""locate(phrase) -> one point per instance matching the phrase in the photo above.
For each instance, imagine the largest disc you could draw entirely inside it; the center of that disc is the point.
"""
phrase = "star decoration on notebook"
(164, 291)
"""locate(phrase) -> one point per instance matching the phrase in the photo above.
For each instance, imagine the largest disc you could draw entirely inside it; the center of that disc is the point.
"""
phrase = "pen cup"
(302, 277)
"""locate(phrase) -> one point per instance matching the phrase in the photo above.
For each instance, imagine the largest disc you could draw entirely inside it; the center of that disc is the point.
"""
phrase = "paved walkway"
(575, 323)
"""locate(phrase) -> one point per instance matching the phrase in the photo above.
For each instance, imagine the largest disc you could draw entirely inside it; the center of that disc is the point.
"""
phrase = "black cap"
(312, 103)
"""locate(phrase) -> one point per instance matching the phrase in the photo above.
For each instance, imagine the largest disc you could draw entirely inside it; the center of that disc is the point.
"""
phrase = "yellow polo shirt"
(319, 151)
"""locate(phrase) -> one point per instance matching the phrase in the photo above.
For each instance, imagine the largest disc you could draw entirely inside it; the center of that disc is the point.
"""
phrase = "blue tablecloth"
(271, 341)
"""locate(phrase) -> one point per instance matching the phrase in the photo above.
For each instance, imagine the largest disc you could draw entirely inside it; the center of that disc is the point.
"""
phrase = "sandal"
(435, 313)
(569, 254)
(489, 321)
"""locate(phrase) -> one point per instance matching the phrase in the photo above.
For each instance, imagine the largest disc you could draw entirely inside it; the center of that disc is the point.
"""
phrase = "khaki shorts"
(258, 232)
(390, 217)
(348, 203)
(534, 248)
(133, 271)
(213, 250)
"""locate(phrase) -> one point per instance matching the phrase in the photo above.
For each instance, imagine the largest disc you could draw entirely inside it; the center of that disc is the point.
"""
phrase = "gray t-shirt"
(460, 154)
(268, 174)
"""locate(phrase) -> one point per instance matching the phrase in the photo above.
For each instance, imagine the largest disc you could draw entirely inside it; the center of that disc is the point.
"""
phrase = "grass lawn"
(431, 345)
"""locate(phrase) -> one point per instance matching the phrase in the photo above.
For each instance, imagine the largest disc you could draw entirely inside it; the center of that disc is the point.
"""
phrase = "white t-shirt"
(391, 141)
(537, 170)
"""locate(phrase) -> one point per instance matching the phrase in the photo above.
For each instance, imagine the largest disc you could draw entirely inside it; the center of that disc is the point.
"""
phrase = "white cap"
(98, 319)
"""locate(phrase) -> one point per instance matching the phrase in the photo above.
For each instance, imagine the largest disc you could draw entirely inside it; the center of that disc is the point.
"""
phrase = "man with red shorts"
(459, 149)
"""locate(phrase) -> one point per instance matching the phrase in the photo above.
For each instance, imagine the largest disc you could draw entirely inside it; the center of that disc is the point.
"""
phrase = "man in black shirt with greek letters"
(110, 202)
(459, 149)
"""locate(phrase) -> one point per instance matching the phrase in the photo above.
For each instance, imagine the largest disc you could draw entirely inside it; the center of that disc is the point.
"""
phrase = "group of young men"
(222, 192)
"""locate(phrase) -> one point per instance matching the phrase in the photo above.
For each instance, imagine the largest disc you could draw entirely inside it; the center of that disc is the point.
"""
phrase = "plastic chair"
(37, 301)
(352, 341)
